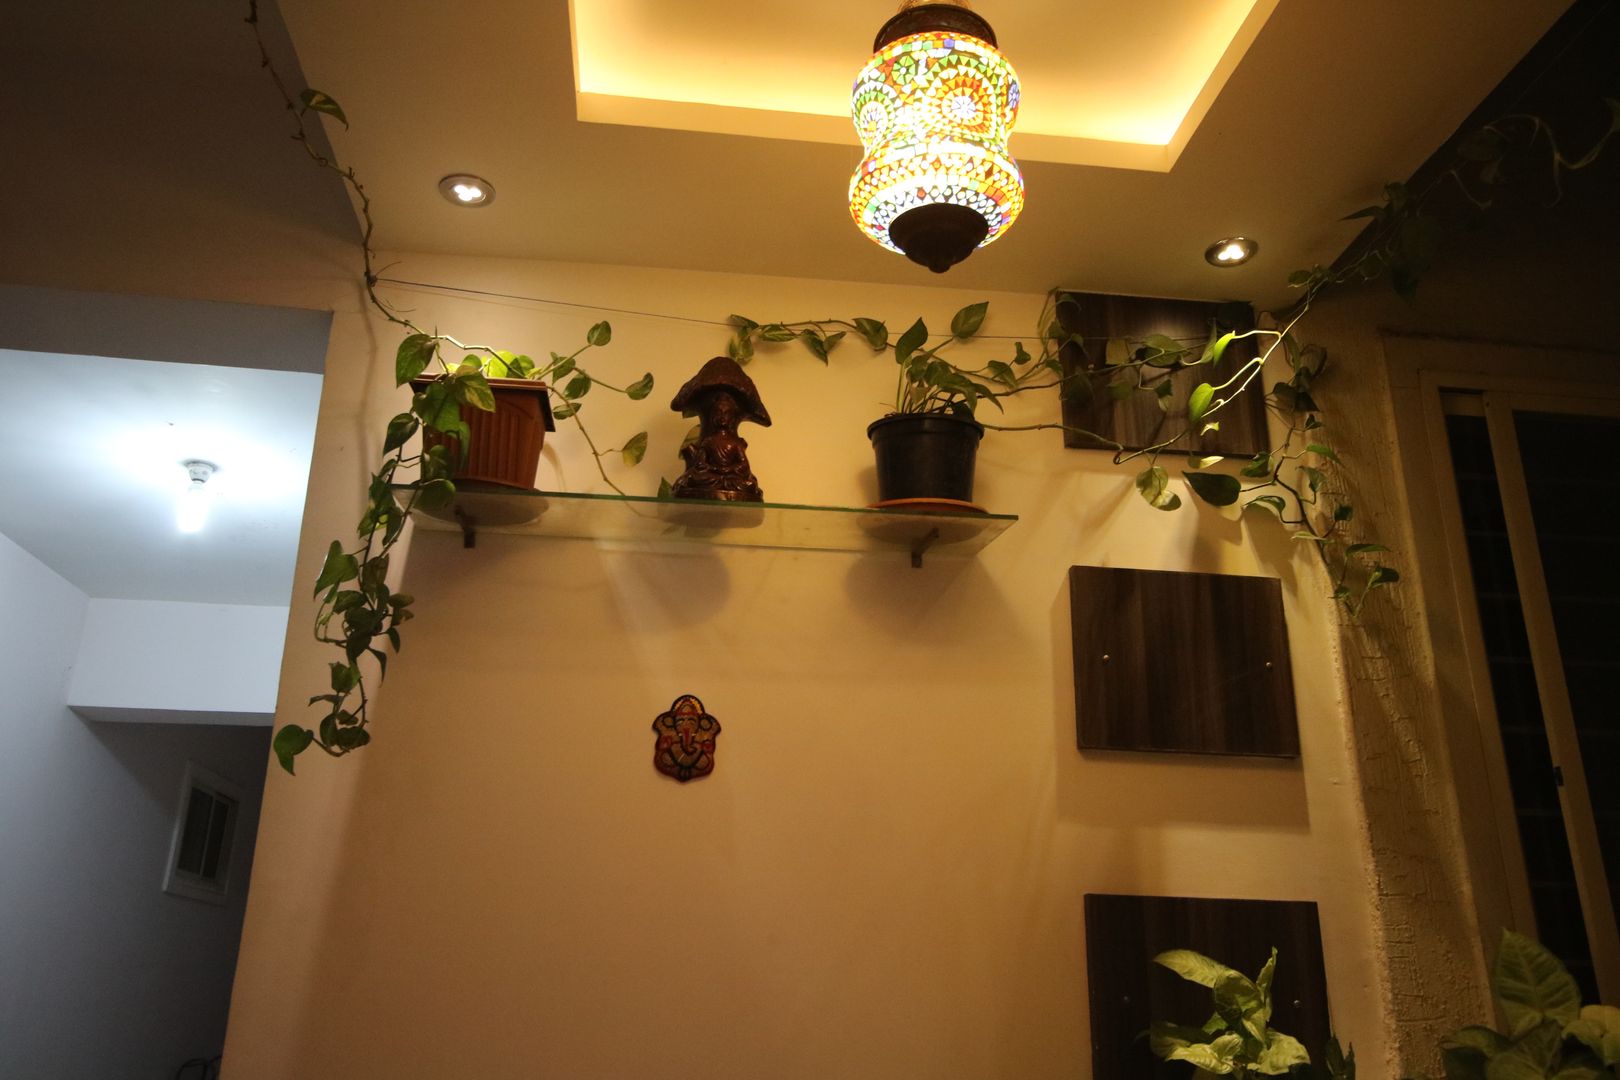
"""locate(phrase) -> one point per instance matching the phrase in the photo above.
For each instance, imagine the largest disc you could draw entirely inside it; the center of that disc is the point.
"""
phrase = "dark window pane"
(217, 833)
(1575, 500)
(1518, 704)
(194, 834)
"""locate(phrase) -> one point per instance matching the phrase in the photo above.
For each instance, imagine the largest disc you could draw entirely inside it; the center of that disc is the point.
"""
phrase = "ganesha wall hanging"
(686, 735)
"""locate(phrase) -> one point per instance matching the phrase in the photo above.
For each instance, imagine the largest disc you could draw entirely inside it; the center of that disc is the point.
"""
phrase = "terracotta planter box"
(504, 447)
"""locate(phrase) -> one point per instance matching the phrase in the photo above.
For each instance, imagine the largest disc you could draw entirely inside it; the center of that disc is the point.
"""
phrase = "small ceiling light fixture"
(193, 513)
(1233, 251)
(934, 107)
(465, 189)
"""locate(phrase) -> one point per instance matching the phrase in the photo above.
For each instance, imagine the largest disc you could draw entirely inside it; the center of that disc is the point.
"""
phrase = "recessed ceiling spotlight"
(465, 189)
(1233, 251)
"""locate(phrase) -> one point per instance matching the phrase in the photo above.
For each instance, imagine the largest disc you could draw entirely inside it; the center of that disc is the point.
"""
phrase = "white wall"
(101, 973)
(145, 660)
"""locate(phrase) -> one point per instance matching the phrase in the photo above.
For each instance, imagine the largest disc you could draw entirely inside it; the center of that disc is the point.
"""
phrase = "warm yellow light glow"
(1232, 251)
(464, 189)
(1151, 69)
(934, 111)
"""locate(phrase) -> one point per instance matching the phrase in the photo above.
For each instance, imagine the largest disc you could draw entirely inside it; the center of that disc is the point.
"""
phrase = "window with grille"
(200, 852)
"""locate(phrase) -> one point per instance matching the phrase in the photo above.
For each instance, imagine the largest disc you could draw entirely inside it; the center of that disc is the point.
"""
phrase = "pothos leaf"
(413, 357)
(289, 742)
(910, 341)
(966, 323)
(338, 568)
(323, 103)
(1274, 503)
(475, 391)
(1199, 402)
(1153, 483)
(1322, 451)
(875, 333)
(815, 343)
(400, 429)
(600, 334)
(634, 450)
(1217, 489)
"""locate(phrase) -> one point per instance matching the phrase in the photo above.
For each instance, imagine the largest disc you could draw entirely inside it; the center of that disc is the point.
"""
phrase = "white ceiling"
(1330, 101)
(93, 490)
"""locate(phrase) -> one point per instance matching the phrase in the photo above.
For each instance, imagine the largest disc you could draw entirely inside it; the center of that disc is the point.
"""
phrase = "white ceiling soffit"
(1328, 102)
(1134, 105)
(94, 490)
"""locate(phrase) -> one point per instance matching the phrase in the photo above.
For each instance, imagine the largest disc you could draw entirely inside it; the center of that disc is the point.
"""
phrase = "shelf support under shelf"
(469, 529)
(922, 545)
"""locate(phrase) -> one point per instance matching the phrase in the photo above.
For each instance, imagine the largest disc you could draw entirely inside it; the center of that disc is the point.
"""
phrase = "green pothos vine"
(1301, 479)
(357, 613)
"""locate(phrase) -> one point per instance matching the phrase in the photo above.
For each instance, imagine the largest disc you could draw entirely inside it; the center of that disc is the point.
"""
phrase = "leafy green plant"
(1301, 480)
(1291, 480)
(358, 614)
(926, 379)
(1549, 1035)
(1238, 1039)
(1298, 480)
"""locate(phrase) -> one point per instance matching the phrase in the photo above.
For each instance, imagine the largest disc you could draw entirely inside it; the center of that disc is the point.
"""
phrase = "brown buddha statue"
(721, 396)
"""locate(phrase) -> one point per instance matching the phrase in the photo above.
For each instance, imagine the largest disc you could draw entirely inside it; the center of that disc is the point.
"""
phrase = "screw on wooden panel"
(1105, 658)
(1296, 1004)
(1268, 665)
(1126, 1000)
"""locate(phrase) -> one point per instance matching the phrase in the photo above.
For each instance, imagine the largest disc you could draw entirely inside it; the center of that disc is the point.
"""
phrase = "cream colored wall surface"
(884, 874)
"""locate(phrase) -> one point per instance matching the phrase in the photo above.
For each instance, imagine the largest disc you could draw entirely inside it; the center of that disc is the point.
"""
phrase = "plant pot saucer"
(928, 506)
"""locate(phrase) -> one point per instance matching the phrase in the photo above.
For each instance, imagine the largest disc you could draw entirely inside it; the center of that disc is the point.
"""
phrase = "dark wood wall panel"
(1181, 662)
(1128, 991)
(1138, 421)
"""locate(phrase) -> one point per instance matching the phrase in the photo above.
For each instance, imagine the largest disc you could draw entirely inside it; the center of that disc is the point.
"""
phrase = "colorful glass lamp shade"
(934, 108)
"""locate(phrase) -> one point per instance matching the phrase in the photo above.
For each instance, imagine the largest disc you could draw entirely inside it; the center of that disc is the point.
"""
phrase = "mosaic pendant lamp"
(934, 107)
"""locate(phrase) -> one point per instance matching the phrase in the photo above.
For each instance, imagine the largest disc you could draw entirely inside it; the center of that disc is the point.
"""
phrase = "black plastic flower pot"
(925, 456)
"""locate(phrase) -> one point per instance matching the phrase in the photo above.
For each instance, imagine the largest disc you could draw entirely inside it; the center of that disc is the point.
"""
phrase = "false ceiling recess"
(1134, 105)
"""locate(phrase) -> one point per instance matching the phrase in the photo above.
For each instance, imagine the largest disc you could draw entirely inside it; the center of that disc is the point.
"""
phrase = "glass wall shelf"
(660, 522)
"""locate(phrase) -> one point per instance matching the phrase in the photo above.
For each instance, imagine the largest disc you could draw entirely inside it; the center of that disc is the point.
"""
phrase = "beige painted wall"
(883, 877)
(885, 874)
